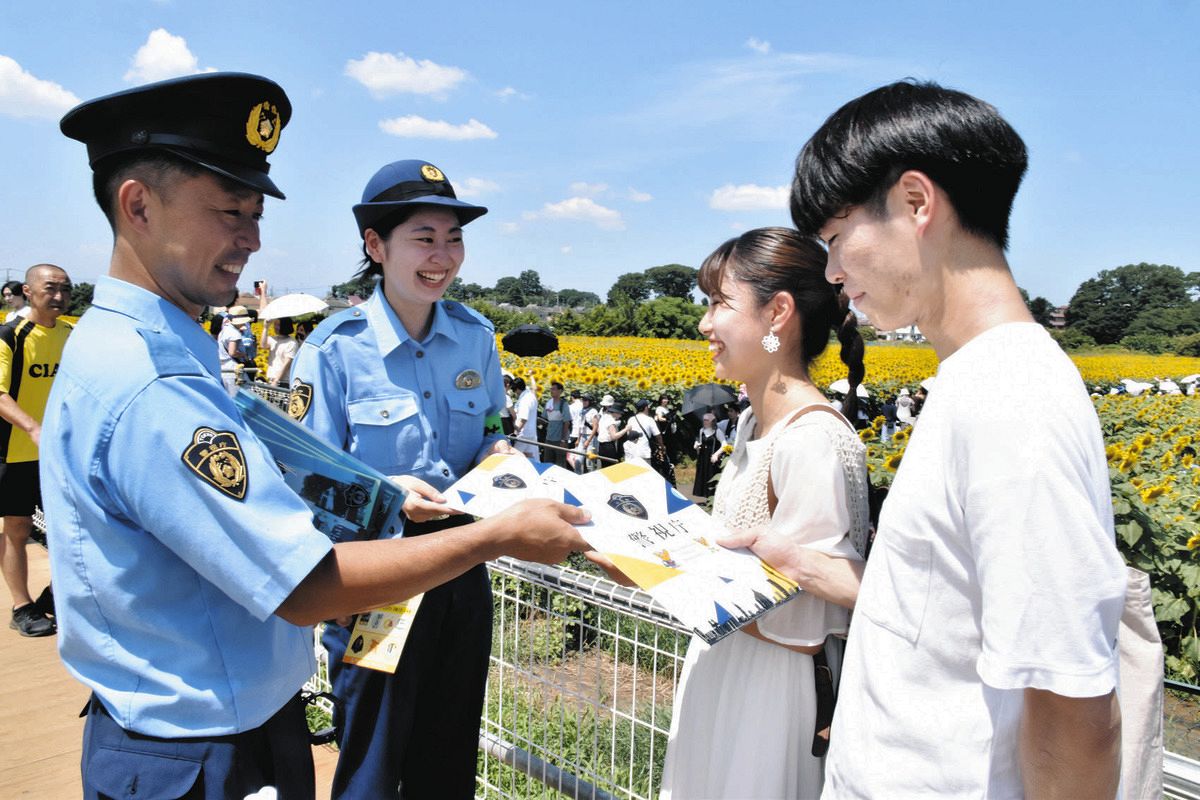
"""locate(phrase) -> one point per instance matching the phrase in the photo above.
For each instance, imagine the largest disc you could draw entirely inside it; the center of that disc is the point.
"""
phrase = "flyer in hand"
(349, 499)
(662, 541)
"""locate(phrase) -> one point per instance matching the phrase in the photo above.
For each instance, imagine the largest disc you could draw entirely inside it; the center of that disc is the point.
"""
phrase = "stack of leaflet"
(658, 538)
(349, 500)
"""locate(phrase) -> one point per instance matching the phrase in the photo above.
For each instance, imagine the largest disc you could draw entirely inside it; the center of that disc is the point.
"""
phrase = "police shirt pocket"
(467, 409)
(385, 431)
(128, 774)
(897, 596)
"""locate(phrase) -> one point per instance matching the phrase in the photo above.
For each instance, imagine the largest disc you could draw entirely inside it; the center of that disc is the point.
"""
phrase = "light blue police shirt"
(173, 537)
(405, 407)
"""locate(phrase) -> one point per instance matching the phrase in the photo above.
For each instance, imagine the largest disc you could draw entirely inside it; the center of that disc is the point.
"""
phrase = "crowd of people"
(982, 659)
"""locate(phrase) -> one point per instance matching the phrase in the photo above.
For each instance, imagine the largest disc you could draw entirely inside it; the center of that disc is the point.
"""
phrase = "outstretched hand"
(541, 530)
(422, 502)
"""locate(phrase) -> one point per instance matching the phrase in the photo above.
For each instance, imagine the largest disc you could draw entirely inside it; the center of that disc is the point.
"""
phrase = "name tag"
(378, 637)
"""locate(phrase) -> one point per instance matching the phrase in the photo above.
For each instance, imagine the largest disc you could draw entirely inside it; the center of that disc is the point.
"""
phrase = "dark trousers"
(415, 734)
(121, 764)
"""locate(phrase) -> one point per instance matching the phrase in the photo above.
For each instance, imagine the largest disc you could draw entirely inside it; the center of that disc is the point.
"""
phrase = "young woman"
(278, 341)
(609, 432)
(744, 715)
(709, 442)
(411, 384)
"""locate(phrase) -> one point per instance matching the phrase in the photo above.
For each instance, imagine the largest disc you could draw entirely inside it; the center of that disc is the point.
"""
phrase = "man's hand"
(605, 563)
(502, 447)
(540, 530)
(35, 433)
(422, 502)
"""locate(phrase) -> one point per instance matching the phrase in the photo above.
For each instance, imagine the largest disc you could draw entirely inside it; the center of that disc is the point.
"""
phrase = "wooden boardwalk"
(40, 728)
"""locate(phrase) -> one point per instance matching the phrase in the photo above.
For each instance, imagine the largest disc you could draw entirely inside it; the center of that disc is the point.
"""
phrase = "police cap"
(409, 183)
(228, 122)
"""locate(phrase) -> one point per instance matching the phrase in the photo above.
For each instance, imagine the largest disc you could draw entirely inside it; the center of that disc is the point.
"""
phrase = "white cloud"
(509, 93)
(749, 197)
(163, 56)
(473, 187)
(758, 45)
(565, 249)
(24, 96)
(387, 74)
(639, 197)
(584, 189)
(582, 209)
(414, 127)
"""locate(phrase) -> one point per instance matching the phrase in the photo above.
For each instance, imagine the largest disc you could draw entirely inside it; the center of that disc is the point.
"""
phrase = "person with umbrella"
(411, 384)
(281, 346)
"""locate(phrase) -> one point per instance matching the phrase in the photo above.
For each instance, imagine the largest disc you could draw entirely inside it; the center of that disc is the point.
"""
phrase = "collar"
(390, 333)
(157, 314)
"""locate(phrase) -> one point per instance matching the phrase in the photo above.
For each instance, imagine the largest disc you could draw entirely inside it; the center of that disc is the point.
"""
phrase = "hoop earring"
(770, 342)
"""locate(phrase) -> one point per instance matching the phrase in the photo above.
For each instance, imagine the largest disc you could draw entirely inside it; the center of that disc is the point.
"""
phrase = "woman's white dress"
(744, 711)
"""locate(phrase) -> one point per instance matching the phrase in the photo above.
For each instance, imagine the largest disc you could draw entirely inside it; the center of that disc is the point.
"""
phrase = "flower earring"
(770, 342)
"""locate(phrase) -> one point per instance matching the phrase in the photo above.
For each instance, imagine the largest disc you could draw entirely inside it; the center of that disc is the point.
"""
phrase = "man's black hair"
(959, 141)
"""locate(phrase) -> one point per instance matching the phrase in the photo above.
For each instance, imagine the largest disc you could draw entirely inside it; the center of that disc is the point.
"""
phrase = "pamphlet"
(660, 539)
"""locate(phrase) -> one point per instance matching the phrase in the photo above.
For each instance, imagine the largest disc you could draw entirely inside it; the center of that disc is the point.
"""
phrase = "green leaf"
(1190, 572)
(1131, 532)
(1169, 607)
(1121, 506)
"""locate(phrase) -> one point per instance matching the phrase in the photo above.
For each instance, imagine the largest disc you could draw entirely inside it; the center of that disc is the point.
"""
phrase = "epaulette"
(467, 314)
(333, 322)
(168, 355)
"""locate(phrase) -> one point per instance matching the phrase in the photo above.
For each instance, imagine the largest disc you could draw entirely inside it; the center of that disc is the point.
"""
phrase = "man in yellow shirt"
(30, 351)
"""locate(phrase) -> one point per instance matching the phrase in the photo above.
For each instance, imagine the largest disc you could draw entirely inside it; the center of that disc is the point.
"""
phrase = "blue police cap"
(228, 122)
(408, 183)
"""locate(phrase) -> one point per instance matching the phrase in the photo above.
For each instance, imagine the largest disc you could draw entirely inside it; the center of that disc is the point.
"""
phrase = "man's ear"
(915, 196)
(134, 199)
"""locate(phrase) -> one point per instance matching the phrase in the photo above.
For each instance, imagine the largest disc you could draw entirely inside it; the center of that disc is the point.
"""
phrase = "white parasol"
(292, 305)
(842, 386)
(927, 384)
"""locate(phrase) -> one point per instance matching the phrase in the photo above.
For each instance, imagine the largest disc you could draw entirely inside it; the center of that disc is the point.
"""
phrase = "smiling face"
(734, 325)
(877, 262)
(420, 257)
(202, 232)
(49, 291)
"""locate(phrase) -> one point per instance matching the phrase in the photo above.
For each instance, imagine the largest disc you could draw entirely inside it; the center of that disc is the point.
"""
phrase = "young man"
(982, 660)
(186, 571)
(30, 351)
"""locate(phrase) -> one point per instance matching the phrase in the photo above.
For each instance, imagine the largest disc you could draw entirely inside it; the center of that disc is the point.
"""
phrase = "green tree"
(1072, 339)
(503, 319)
(508, 290)
(573, 298)
(1105, 306)
(531, 285)
(1041, 309)
(81, 299)
(609, 320)
(668, 318)
(672, 280)
(1166, 321)
(634, 286)
(362, 286)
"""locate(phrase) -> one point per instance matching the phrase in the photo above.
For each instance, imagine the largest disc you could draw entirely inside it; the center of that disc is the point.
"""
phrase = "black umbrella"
(701, 398)
(530, 340)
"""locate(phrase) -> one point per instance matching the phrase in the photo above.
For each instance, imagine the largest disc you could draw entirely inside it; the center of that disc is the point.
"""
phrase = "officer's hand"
(503, 448)
(423, 502)
(603, 562)
(541, 530)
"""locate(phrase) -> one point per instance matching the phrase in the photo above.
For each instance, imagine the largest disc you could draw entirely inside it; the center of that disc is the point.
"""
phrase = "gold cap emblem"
(431, 173)
(262, 127)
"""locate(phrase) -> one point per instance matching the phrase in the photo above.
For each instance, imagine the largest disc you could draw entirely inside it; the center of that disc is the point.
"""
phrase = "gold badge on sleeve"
(216, 456)
(299, 400)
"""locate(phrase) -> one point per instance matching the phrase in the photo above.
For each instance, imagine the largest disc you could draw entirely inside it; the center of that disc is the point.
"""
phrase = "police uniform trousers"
(122, 764)
(415, 734)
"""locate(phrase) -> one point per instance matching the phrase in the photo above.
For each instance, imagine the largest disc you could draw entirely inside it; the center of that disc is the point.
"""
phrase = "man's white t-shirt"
(644, 424)
(526, 410)
(229, 333)
(994, 570)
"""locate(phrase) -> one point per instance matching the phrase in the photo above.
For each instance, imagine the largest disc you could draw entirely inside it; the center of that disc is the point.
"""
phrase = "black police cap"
(228, 122)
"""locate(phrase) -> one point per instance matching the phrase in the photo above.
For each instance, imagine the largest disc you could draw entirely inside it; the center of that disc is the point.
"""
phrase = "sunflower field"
(1152, 443)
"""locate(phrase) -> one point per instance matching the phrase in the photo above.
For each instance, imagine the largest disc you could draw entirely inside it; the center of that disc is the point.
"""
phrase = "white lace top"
(817, 465)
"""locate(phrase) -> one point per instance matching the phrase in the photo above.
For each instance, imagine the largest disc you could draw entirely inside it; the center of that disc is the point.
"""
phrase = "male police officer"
(184, 567)
(30, 350)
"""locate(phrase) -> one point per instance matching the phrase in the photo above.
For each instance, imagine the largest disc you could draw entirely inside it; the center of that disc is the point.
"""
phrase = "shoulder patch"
(168, 355)
(216, 456)
(467, 314)
(299, 400)
(335, 321)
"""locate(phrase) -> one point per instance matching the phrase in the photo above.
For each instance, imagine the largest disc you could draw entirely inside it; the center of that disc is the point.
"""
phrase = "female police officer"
(412, 385)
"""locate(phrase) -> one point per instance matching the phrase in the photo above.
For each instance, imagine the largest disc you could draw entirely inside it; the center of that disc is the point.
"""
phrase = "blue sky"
(611, 137)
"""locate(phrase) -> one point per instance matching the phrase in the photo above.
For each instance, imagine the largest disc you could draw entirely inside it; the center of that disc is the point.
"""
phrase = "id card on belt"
(378, 637)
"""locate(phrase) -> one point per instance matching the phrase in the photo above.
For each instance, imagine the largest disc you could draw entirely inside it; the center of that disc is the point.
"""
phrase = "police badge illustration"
(508, 481)
(628, 505)
(299, 400)
(216, 456)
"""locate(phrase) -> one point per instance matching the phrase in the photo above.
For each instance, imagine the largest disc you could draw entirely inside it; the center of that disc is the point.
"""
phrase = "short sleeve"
(6, 359)
(493, 382)
(1051, 582)
(182, 466)
(812, 510)
(319, 396)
